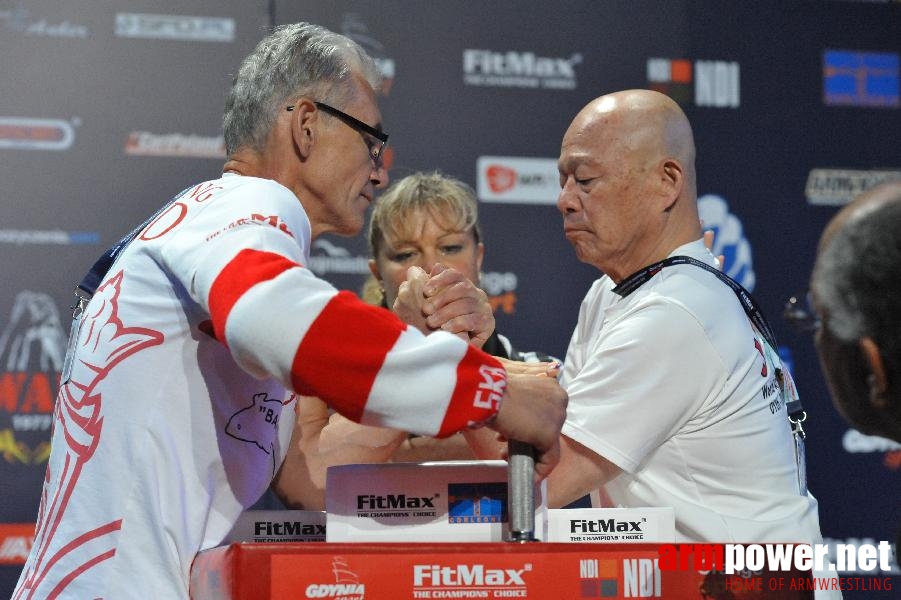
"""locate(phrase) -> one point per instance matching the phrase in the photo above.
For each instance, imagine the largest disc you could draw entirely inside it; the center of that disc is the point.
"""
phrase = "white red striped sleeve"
(279, 320)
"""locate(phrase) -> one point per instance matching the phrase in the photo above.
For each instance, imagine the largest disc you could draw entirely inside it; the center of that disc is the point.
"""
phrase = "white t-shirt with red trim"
(180, 403)
(672, 384)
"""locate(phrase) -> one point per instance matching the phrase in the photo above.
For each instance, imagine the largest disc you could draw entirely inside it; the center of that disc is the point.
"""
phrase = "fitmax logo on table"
(278, 529)
(396, 506)
(474, 580)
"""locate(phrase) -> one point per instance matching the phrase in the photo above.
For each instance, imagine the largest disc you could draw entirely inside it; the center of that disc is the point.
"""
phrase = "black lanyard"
(751, 308)
(84, 291)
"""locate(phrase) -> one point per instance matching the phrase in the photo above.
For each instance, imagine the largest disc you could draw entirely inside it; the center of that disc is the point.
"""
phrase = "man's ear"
(304, 117)
(672, 179)
(876, 380)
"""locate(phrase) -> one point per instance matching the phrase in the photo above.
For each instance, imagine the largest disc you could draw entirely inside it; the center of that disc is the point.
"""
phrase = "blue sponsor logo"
(860, 78)
(52, 237)
(729, 240)
(477, 502)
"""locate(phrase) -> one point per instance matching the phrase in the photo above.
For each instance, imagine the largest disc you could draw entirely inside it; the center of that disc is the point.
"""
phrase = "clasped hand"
(445, 299)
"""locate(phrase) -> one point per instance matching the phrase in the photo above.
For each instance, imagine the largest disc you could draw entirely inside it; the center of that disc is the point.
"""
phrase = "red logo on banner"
(15, 542)
(500, 179)
(36, 134)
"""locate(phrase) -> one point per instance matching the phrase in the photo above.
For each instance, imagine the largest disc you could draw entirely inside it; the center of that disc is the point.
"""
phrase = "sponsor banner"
(327, 258)
(23, 133)
(15, 542)
(175, 27)
(32, 347)
(513, 69)
(446, 570)
(479, 574)
(501, 290)
(837, 187)
(729, 239)
(867, 79)
(144, 143)
(21, 21)
(713, 83)
(612, 525)
(354, 27)
(855, 442)
(460, 501)
(518, 180)
(53, 237)
(735, 558)
(262, 526)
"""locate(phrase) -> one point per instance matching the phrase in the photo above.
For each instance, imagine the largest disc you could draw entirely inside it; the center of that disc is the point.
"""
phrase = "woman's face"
(430, 242)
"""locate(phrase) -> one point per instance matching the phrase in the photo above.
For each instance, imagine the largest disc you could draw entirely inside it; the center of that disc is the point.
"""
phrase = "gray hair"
(857, 277)
(294, 60)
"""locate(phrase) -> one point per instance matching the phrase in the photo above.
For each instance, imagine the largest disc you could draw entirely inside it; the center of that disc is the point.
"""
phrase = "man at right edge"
(674, 397)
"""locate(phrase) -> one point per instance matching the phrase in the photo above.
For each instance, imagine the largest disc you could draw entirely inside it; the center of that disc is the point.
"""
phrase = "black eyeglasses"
(375, 139)
(800, 313)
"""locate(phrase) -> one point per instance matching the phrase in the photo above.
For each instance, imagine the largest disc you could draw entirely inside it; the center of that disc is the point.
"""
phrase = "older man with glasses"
(197, 330)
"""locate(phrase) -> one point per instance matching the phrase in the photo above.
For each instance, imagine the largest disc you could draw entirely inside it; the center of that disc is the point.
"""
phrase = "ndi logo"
(477, 502)
(641, 578)
(714, 83)
(729, 239)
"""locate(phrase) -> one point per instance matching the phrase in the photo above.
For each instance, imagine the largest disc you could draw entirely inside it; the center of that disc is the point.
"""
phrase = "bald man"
(674, 399)
(856, 284)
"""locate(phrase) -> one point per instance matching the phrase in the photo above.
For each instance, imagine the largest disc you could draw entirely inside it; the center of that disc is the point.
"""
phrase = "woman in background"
(426, 220)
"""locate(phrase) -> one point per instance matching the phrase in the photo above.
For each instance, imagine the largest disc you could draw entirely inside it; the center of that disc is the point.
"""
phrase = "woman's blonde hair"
(449, 201)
